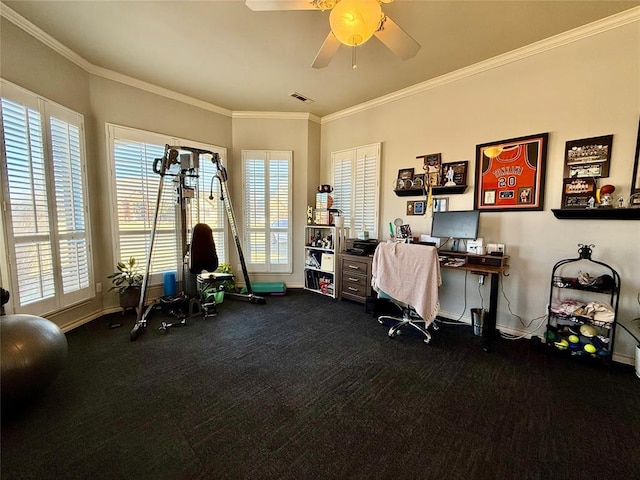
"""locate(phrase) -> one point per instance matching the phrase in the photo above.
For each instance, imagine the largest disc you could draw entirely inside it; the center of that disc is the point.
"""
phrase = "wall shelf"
(419, 192)
(597, 213)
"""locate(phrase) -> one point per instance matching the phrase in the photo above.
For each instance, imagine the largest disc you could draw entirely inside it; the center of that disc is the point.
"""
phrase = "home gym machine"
(187, 169)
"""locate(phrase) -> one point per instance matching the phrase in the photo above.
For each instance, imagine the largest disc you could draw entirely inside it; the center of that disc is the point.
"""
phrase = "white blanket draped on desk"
(409, 273)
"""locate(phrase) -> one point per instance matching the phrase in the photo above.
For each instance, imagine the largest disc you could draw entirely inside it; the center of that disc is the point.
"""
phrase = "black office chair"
(203, 261)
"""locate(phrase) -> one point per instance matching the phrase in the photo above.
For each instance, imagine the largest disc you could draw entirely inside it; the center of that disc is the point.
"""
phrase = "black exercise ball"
(33, 352)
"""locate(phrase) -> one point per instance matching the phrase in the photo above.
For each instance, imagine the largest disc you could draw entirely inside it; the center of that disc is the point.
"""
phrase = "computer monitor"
(456, 225)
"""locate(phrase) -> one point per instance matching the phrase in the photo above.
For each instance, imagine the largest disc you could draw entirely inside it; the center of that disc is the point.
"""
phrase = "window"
(135, 195)
(45, 211)
(267, 210)
(356, 173)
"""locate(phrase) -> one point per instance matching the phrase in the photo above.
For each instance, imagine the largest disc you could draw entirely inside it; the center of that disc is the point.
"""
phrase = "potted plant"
(128, 282)
(229, 285)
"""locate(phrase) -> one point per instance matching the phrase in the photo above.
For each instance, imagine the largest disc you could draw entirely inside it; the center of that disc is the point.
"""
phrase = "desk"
(481, 265)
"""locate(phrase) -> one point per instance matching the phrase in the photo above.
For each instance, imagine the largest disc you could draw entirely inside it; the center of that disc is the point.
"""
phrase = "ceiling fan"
(352, 22)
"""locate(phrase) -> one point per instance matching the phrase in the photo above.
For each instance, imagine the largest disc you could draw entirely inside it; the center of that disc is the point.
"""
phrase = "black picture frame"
(454, 173)
(510, 174)
(588, 157)
(405, 179)
(578, 192)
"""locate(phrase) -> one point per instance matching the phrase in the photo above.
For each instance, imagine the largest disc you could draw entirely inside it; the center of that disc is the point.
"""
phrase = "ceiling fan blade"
(269, 5)
(327, 51)
(397, 40)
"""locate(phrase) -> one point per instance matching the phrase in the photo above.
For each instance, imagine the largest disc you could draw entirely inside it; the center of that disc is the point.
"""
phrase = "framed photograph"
(589, 157)
(578, 192)
(454, 173)
(440, 204)
(410, 207)
(510, 174)
(415, 207)
(635, 179)
(405, 174)
(405, 231)
(405, 179)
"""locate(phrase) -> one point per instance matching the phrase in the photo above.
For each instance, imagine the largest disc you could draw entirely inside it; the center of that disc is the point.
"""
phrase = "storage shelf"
(596, 213)
(417, 192)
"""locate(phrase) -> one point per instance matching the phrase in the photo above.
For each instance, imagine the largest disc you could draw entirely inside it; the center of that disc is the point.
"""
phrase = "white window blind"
(135, 187)
(46, 211)
(267, 210)
(356, 173)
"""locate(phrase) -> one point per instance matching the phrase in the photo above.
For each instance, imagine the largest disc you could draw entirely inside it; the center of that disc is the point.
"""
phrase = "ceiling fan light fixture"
(353, 22)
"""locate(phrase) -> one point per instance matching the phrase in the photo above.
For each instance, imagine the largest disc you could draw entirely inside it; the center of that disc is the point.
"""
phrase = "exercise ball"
(33, 352)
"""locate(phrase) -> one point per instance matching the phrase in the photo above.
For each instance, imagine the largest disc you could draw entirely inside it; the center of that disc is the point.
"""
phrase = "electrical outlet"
(98, 287)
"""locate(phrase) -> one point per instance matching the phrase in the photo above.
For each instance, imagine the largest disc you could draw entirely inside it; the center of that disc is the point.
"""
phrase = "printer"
(364, 248)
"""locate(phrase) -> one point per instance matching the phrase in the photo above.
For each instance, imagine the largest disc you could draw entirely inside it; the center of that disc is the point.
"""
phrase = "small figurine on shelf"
(309, 215)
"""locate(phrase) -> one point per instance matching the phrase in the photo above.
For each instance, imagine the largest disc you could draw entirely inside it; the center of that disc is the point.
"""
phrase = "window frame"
(74, 154)
(362, 199)
(205, 187)
(267, 231)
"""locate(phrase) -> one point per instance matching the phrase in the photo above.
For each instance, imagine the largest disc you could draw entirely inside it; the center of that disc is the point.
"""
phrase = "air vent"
(301, 97)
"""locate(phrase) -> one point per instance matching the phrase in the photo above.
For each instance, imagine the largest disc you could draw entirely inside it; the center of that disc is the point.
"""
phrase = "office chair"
(409, 276)
(203, 261)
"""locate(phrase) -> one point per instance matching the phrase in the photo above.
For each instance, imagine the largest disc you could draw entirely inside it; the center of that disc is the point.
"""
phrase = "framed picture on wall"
(510, 174)
(454, 173)
(578, 192)
(431, 165)
(405, 179)
(588, 158)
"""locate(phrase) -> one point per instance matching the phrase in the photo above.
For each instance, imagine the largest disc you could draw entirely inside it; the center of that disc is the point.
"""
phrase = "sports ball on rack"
(588, 331)
(589, 348)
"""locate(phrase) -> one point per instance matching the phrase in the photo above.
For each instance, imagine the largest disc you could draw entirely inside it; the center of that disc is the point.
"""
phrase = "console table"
(481, 265)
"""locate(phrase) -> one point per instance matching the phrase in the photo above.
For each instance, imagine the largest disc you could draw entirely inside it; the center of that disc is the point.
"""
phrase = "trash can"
(477, 319)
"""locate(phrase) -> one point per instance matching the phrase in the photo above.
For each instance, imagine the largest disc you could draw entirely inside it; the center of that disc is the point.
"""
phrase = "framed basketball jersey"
(510, 174)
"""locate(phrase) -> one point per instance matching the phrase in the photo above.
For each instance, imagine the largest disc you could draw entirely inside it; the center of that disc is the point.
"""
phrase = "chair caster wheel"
(163, 329)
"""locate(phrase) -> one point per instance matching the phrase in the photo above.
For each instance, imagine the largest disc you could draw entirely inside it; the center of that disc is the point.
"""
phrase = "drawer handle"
(353, 289)
(351, 279)
(354, 267)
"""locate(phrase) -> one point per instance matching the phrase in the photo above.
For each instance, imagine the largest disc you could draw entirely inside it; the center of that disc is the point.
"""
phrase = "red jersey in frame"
(510, 174)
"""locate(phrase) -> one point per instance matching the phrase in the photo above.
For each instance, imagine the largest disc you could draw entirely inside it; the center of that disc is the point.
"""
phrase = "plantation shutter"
(267, 210)
(356, 173)
(136, 197)
(45, 210)
(135, 194)
(70, 203)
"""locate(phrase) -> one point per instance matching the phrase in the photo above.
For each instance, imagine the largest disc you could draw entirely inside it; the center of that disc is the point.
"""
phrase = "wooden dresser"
(354, 277)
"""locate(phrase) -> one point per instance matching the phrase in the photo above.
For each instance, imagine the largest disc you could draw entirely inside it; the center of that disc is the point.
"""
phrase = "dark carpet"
(306, 387)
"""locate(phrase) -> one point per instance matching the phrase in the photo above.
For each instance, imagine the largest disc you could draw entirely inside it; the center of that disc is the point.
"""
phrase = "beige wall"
(583, 89)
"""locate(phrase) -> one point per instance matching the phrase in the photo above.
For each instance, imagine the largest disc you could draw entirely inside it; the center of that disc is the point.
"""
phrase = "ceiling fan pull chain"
(353, 57)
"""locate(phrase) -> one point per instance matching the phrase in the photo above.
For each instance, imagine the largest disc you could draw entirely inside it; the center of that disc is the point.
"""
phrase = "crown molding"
(87, 66)
(585, 31)
(277, 116)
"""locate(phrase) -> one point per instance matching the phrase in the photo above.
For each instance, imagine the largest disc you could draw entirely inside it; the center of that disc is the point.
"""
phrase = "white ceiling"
(223, 53)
